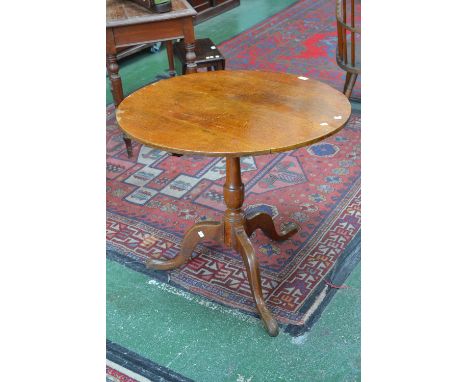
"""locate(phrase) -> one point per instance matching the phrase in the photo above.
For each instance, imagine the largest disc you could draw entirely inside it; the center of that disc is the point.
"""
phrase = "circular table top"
(233, 113)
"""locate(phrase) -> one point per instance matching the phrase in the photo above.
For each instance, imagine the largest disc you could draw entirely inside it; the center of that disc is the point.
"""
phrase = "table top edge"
(233, 154)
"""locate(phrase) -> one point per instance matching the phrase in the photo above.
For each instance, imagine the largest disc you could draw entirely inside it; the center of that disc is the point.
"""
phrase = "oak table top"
(233, 113)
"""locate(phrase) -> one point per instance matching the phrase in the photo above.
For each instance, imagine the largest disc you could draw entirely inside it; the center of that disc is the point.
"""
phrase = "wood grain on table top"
(233, 113)
(124, 12)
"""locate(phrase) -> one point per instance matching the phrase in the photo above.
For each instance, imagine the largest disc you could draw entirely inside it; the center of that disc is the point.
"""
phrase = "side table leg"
(189, 42)
(253, 273)
(117, 92)
(114, 76)
(190, 57)
(170, 58)
(199, 232)
(128, 145)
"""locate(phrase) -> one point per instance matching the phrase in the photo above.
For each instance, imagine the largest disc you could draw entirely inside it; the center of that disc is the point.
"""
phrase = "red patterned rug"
(300, 40)
(154, 198)
(113, 375)
(124, 365)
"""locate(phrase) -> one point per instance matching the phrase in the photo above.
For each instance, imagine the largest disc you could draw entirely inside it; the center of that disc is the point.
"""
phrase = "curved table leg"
(197, 233)
(265, 223)
(253, 272)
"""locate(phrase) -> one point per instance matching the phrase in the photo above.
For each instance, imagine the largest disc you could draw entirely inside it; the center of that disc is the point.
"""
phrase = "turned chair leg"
(199, 232)
(265, 223)
(253, 273)
(349, 84)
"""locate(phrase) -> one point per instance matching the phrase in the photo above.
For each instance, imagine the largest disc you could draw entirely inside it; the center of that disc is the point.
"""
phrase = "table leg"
(170, 57)
(117, 91)
(189, 42)
(265, 223)
(236, 236)
(199, 232)
(253, 273)
(115, 80)
(234, 232)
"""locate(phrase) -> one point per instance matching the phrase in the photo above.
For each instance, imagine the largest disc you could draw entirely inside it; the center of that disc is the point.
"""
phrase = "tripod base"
(233, 232)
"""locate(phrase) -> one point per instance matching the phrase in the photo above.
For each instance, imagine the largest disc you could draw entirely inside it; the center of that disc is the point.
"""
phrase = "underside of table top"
(233, 113)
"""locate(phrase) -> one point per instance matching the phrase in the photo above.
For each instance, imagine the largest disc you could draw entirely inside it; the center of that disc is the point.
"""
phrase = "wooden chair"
(348, 52)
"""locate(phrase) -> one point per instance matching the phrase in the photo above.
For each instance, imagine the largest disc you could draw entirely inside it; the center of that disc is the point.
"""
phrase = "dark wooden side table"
(233, 114)
(129, 24)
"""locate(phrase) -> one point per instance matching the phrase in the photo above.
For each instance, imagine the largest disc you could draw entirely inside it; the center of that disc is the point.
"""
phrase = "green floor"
(199, 339)
(207, 342)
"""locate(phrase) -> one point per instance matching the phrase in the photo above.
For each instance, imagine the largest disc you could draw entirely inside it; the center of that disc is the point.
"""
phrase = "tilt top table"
(233, 114)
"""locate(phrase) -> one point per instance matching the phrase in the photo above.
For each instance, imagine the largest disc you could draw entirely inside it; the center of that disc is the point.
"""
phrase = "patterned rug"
(154, 198)
(301, 40)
